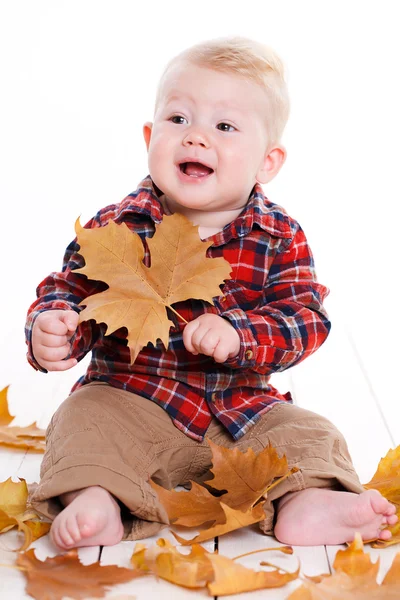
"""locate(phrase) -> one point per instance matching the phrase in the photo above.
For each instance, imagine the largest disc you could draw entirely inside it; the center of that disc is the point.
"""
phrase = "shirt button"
(223, 299)
(249, 354)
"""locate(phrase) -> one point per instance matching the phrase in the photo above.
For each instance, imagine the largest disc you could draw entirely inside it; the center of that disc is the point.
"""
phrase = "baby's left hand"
(213, 336)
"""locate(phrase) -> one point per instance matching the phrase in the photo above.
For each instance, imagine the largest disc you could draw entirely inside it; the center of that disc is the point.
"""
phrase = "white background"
(77, 82)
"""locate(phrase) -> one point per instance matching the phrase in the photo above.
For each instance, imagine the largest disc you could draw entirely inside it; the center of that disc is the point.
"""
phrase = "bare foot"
(316, 517)
(92, 518)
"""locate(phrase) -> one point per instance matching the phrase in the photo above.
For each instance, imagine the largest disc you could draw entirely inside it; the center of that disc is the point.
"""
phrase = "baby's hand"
(51, 333)
(213, 336)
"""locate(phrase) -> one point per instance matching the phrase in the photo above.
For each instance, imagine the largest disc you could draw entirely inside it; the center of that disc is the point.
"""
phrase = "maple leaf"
(233, 578)
(188, 570)
(27, 438)
(138, 296)
(354, 579)
(387, 481)
(200, 568)
(61, 576)
(13, 513)
(244, 477)
(234, 519)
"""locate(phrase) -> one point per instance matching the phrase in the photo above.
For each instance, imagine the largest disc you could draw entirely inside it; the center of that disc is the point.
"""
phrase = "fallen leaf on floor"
(23, 438)
(242, 480)
(14, 513)
(234, 519)
(65, 575)
(221, 575)
(137, 296)
(387, 481)
(233, 578)
(354, 578)
(164, 560)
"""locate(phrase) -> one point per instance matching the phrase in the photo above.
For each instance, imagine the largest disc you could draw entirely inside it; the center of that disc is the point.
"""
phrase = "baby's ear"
(147, 128)
(271, 164)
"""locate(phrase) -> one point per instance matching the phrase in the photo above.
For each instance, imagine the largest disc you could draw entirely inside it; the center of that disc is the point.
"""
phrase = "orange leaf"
(235, 519)
(138, 296)
(245, 475)
(232, 578)
(387, 481)
(27, 438)
(192, 570)
(65, 575)
(192, 508)
(355, 578)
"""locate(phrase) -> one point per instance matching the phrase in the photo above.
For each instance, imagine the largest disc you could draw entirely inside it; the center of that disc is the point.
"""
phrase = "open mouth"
(195, 169)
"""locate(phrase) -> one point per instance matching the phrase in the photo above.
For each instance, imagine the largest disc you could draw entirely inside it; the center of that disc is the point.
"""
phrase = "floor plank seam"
(371, 389)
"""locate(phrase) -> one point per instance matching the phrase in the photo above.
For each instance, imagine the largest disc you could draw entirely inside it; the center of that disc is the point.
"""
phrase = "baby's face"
(209, 138)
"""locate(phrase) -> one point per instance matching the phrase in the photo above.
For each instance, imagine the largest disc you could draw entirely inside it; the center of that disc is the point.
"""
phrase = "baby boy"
(220, 112)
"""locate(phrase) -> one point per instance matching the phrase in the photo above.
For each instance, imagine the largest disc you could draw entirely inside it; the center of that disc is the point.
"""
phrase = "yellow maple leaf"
(387, 481)
(138, 296)
(25, 438)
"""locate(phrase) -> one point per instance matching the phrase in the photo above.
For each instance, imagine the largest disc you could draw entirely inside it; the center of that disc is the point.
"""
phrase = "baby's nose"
(196, 138)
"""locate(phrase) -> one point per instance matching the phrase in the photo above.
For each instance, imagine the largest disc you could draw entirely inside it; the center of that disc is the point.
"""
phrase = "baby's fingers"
(188, 335)
(54, 354)
(62, 365)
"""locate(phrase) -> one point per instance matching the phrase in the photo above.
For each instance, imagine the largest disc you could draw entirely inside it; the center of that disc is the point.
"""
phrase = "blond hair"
(251, 60)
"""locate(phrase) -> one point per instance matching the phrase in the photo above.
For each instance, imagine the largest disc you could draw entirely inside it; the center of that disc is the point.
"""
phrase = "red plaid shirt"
(273, 301)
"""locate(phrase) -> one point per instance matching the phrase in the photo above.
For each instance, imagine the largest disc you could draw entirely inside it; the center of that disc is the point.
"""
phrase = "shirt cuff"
(247, 357)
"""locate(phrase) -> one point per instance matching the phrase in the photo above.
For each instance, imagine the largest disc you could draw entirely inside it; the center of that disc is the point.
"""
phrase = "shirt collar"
(259, 211)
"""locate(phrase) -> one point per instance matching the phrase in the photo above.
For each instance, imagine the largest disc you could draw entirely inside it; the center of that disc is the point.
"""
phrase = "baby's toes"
(391, 509)
(64, 534)
(385, 535)
(379, 504)
(73, 529)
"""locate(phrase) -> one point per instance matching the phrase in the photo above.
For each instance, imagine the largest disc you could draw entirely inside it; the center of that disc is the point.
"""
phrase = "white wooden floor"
(352, 380)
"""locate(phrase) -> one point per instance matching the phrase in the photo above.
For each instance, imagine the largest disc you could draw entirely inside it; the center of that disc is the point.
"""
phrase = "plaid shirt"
(273, 301)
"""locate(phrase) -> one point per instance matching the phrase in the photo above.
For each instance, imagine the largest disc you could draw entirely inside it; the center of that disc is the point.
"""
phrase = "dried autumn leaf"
(387, 481)
(192, 508)
(355, 578)
(13, 512)
(138, 296)
(245, 475)
(234, 519)
(192, 570)
(233, 578)
(27, 438)
(61, 576)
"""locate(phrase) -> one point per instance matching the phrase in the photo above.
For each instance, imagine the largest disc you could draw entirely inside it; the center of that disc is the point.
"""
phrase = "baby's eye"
(225, 127)
(178, 120)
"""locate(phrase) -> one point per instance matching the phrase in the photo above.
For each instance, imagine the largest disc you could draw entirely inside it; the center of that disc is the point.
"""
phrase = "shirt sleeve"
(65, 290)
(291, 324)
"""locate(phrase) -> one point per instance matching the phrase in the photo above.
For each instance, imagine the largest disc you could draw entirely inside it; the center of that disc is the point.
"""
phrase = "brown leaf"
(235, 519)
(192, 508)
(387, 481)
(61, 576)
(138, 296)
(355, 578)
(233, 578)
(27, 438)
(192, 570)
(245, 475)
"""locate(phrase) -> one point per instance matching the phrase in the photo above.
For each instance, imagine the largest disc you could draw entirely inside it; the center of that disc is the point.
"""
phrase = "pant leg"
(309, 441)
(105, 436)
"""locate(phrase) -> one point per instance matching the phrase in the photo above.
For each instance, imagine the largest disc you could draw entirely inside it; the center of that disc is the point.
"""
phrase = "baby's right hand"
(51, 333)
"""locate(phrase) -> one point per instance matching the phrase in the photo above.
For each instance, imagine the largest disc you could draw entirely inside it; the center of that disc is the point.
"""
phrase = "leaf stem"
(284, 549)
(13, 567)
(180, 316)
